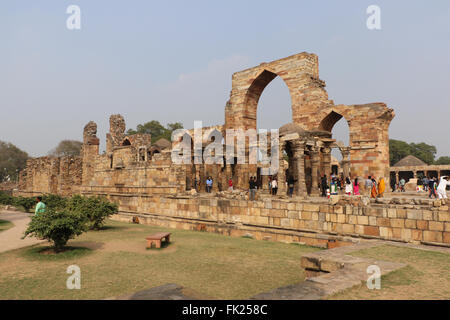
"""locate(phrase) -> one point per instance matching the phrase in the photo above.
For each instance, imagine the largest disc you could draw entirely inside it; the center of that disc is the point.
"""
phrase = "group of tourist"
(372, 187)
(435, 189)
(369, 187)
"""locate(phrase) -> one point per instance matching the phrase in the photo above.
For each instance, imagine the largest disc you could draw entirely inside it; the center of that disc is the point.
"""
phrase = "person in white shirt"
(274, 185)
(442, 188)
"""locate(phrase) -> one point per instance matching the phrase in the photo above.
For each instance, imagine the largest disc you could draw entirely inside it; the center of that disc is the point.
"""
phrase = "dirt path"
(11, 238)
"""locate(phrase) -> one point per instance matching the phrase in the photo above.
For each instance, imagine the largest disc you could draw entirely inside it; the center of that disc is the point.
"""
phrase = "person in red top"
(230, 184)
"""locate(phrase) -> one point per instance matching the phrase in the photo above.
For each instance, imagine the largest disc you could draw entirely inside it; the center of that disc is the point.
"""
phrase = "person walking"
(442, 188)
(348, 187)
(230, 184)
(368, 186)
(425, 182)
(432, 188)
(252, 188)
(356, 188)
(374, 192)
(381, 188)
(401, 185)
(291, 182)
(274, 185)
(209, 183)
(40, 206)
(324, 185)
(333, 187)
(393, 185)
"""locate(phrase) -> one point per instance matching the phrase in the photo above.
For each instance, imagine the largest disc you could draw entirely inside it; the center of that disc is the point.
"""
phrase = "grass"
(426, 276)
(5, 225)
(116, 262)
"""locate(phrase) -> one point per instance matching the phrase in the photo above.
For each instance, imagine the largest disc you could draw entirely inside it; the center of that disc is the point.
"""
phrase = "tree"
(442, 161)
(12, 160)
(67, 148)
(423, 151)
(57, 226)
(400, 149)
(156, 129)
(95, 209)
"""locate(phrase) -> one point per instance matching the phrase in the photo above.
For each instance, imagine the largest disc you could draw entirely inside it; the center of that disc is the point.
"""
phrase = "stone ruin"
(143, 180)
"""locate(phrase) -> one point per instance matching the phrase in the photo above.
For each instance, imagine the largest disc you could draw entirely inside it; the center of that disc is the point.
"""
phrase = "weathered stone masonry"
(143, 180)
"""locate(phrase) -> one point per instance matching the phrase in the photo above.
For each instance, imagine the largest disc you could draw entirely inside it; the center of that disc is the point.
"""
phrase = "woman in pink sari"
(356, 188)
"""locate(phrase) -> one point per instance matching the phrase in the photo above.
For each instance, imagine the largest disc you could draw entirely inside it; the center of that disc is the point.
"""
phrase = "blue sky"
(173, 60)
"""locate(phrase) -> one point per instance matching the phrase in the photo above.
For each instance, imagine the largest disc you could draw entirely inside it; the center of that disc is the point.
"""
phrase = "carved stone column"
(299, 156)
(345, 162)
(281, 175)
(327, 161)
(315, 163)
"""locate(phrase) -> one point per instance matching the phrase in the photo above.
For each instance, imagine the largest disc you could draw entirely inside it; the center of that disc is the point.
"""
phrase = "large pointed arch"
(254, 93)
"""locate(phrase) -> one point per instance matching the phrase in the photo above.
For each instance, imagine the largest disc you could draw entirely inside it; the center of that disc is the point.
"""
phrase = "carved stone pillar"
(345, 162)
(299, 156)
(397, 176)
(281, 175)
(315, 163)
(327, 161)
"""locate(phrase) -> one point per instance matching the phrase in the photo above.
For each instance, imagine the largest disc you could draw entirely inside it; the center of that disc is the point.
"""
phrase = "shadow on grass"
(164, 245)
(47, 253)
(110, 228)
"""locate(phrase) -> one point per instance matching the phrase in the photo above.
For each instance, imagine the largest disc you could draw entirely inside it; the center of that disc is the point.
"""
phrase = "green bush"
(95, 209)
(26, 203)
(54, 202)
(57, 227)
(6, 199)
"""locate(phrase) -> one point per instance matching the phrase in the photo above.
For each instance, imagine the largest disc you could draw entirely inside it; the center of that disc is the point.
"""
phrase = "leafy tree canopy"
(67, 148)
(156, 129)
(400, 149)
(12, 160)
(443, 160)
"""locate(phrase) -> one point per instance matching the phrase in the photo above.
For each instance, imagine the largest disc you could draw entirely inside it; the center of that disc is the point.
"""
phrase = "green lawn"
(426, 276)
(5, 225)
(117, 263)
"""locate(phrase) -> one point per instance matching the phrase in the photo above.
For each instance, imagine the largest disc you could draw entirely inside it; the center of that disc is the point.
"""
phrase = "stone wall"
(311, 109)
(51, 175)
(301, 220)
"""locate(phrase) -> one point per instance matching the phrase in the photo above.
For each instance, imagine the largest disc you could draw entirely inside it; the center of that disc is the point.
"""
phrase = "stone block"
(411, 224)
(432, 236)
(371, 231)
(397, 223)
(422, 225)
(363, 220)
(435, 226)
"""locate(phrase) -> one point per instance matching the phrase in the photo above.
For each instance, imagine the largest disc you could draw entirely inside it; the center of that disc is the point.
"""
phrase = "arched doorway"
(337, 125)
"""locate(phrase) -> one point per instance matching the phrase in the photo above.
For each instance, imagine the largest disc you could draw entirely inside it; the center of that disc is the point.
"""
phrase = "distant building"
(410, 167)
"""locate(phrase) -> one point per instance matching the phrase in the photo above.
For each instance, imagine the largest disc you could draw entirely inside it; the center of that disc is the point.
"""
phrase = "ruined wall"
(306, 221)
(51, 175)
(312, 110)
(128, 176)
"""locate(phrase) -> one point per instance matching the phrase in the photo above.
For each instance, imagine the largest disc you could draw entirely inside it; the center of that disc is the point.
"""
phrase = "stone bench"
(157, 238)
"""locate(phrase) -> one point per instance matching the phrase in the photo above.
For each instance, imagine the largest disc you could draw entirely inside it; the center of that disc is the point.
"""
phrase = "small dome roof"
(163, 144)
(410, 161)
(292, 128)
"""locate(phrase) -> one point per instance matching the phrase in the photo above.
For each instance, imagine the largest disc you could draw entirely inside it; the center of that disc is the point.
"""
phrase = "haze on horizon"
(172, 61)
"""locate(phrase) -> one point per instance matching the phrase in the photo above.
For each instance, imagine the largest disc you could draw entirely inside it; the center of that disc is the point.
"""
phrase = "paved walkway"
(11, 238)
